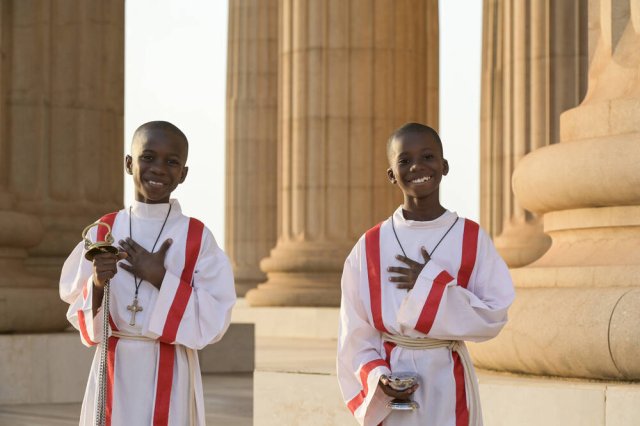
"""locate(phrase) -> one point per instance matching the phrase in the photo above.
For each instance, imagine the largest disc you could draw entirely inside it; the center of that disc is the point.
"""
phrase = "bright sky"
(460, 67)
(175, 70)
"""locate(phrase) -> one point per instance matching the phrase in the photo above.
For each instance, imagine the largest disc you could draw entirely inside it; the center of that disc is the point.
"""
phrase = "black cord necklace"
(393, 226)
(135, 307)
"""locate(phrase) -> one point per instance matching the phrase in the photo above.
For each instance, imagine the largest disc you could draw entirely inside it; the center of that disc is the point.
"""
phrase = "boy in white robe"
(414, 288)
(166, 302)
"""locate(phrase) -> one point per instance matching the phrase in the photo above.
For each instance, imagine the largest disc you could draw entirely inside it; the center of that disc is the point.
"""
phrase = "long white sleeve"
(76, 289)
(360, 361)
(440, 308)
(197, 313)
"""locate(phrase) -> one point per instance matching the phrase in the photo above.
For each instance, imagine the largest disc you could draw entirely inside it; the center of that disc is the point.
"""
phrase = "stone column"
(252, 135)
(61, 84)
(350, 73)
(578, 307)
(20, 291)
(534, 67)
(66, 104)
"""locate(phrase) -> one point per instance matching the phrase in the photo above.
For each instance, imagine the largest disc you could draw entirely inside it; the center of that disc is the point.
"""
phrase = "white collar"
(445, 219)
(155, 211)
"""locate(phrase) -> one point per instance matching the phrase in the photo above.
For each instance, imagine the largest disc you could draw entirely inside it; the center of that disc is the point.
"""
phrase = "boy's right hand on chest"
(105, 267)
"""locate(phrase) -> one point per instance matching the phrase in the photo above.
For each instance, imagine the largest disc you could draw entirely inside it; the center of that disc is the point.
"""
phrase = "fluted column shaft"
(252, 132)
(66, 103)
(350, 72)
(19, 231)
(577, 308)
(61, 123)
(534, 68)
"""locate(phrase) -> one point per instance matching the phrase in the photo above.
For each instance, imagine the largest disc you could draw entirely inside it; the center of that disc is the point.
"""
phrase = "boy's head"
(158, 161)
(416, 162)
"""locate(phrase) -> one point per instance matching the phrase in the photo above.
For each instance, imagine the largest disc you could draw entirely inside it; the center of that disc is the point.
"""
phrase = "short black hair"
(409, 128)
(161, 125)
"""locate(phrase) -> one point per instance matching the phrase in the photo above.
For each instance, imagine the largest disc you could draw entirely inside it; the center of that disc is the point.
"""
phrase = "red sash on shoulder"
(372, 246)
(469, 252)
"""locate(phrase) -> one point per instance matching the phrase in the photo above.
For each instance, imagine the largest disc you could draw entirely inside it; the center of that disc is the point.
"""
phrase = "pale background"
(175, 70)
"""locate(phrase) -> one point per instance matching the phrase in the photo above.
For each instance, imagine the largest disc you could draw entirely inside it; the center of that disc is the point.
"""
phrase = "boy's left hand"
(408, 276)
(144, 265)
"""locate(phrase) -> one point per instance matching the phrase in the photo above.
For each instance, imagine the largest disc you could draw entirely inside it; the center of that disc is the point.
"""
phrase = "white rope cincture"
(470, 382)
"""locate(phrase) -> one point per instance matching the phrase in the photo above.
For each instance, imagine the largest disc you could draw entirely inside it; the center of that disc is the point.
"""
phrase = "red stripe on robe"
(430, 309)
(164, 384)
(112, 324)
(469, 251)
(462, 411)
(372, 246)
(176, 311)
(181, 298)
(111, 368)
(366, 369)
(388, 348)
(102, 231)
(83, 328)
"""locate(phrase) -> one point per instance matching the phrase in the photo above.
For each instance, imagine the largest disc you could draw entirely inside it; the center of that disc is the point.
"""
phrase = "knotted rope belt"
(191, 362)
(470, 382)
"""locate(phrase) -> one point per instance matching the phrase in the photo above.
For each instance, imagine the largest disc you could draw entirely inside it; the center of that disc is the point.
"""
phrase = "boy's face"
(157, 164)
(416, 164)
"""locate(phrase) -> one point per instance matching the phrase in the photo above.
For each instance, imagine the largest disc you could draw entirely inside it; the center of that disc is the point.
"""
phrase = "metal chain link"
(102, 378)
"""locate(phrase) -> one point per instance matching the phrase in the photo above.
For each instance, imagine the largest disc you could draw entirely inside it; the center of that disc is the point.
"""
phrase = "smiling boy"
(414, 288)
(165, 302)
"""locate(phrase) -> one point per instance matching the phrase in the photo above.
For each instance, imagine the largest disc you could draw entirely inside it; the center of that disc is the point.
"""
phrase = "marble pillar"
(578, 307)
(61, 125)
(252, 135)
(350, 72)
(534, 68)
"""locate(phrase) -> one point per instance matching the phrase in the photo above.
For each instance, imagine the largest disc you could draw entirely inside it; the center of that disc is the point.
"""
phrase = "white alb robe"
(149, 380)
(463, 293)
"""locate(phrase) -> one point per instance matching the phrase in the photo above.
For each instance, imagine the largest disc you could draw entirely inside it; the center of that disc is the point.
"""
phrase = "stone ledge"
(235, 353)
(43, 368)
(284, 398)
(281, 398)
(295, 383)
(52, 368)
(289, 322)
(310, 356)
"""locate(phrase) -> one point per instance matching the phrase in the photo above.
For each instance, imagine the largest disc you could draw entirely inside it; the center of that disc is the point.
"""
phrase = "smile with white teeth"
(156, 184)
(422, 179)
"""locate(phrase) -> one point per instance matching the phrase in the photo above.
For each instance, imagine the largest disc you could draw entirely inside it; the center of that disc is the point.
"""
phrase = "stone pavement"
(228, 402)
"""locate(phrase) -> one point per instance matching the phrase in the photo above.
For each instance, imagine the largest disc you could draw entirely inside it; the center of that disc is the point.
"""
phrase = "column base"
(587, 333)
(45, 266)
(31, 310)
(520, 244)
(302, 274)
(43, 368)
(244, 286)
(247, 278)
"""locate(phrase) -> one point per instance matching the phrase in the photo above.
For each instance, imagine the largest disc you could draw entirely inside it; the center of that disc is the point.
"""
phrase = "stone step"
(295, 383)
(289, 322)
(40, 415)
(52, 368)
(227, 397)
